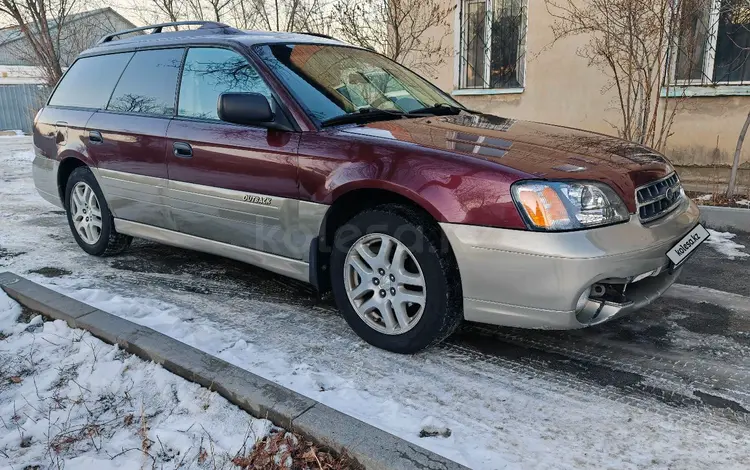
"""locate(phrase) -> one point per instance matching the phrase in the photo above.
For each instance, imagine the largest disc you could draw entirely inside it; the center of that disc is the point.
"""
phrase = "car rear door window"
(90, 81)
(148, 84)
(209, 72)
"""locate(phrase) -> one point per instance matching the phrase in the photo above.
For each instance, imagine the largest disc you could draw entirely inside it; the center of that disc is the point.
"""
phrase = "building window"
(492, 44)
(713, 43)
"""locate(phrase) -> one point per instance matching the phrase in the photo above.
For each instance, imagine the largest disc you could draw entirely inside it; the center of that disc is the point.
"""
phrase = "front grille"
(658, 198)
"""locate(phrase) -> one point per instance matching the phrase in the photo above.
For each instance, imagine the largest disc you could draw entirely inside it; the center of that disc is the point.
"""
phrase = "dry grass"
(719, 198)
(287, 451)
(109, 414)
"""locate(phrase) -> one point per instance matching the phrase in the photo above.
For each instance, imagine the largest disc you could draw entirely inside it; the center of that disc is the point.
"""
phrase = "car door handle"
(182, 150)
(95, 137)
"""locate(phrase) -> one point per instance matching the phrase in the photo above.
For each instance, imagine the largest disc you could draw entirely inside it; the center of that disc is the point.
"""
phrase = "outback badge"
(264, 201)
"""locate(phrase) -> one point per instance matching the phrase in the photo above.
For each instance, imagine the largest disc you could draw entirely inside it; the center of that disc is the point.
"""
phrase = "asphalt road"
(684, 352)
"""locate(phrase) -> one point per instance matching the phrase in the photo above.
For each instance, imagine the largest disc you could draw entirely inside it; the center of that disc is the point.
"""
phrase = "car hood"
(539, 150)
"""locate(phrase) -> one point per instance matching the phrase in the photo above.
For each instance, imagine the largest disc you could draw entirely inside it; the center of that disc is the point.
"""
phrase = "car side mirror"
(245, 108)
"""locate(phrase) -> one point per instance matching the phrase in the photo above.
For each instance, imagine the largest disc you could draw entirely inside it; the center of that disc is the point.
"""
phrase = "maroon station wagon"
(334, 165)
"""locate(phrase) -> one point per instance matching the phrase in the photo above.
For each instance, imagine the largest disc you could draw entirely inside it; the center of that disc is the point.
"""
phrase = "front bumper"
(537, 279)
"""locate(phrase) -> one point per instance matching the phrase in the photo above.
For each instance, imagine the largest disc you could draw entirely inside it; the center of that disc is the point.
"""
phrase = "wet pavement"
(685, 353)
(707, 268)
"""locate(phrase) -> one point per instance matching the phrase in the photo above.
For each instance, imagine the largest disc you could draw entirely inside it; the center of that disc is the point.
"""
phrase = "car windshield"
(334, 81)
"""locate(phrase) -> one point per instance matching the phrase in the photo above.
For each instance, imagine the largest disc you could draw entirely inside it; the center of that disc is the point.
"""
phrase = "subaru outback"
(333, 165)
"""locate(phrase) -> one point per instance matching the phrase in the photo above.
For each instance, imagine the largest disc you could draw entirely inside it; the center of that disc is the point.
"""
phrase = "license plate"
(688, 244)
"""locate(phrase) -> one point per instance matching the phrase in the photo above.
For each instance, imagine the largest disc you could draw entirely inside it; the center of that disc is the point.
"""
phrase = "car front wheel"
(395, 279)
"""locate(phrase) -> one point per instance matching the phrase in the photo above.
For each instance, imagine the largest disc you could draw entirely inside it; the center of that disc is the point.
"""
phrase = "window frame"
(460, 52)
(709, 61)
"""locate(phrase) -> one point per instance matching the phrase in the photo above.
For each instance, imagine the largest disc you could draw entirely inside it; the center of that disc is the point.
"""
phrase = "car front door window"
(209, 72)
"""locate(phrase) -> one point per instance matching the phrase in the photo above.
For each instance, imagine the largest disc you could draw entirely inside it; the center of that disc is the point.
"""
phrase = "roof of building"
(13, 33)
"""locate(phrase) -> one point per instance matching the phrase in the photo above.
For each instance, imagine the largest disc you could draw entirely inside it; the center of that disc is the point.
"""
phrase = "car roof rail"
(157, 28)
(320, 35)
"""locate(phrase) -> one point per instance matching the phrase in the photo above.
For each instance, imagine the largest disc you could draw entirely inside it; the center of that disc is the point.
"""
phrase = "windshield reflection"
(331, 81)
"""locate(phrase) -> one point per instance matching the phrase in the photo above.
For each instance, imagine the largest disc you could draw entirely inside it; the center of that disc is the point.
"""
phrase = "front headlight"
(569, 205)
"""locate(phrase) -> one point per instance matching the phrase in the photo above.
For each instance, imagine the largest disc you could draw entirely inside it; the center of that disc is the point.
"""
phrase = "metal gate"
(19, 104)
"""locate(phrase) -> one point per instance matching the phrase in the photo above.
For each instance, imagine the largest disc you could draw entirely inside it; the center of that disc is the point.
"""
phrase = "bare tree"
(219, 7)
(312, 16)
(53, 42)
(644, 46)
(412, 32)
(271, 15)
(736, 161)
(41, 23)
(208, 10)
(629, 40)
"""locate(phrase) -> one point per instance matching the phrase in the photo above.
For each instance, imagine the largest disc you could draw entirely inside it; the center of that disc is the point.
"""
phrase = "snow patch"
(68, 400)
(705, 197)
(433, 427)
(722, 242)
(744, 202)
(9, 312)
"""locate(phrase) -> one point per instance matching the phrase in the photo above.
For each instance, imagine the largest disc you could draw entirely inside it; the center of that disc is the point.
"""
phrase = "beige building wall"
(561, 88)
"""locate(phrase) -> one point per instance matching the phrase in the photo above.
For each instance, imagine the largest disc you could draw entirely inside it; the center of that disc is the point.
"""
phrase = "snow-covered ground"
(723, 243)
(68, 400)
(501, 414)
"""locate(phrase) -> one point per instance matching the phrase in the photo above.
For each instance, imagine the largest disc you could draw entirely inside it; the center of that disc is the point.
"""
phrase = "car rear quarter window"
(90, 81)
(208, 73)
(149, 83)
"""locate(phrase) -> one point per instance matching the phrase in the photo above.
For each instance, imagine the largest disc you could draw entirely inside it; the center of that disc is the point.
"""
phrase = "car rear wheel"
(89, 217)
(395, 279)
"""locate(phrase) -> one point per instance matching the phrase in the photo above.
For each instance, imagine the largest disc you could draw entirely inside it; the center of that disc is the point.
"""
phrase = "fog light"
(583, 299)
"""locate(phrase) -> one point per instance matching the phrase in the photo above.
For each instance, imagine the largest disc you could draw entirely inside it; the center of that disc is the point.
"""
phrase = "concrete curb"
(726, 218)
(373, 448)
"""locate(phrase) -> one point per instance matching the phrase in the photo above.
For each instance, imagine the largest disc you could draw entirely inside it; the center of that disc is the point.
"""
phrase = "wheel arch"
(68, 164)
(348, 203)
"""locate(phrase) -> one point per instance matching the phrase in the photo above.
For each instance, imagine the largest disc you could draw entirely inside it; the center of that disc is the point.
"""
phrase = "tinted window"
(149, 83)
(210, 72)
(89, 82)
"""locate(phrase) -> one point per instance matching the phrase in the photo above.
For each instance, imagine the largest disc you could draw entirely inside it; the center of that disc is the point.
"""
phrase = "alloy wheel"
(385, 284)
(86, 213)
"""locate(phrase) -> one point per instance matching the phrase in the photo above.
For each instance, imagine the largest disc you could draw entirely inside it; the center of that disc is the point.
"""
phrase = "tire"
(432, 258)
(109, 242)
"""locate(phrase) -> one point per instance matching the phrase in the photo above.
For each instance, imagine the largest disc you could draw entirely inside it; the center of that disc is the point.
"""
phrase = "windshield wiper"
(437, 108)
(363, 115)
